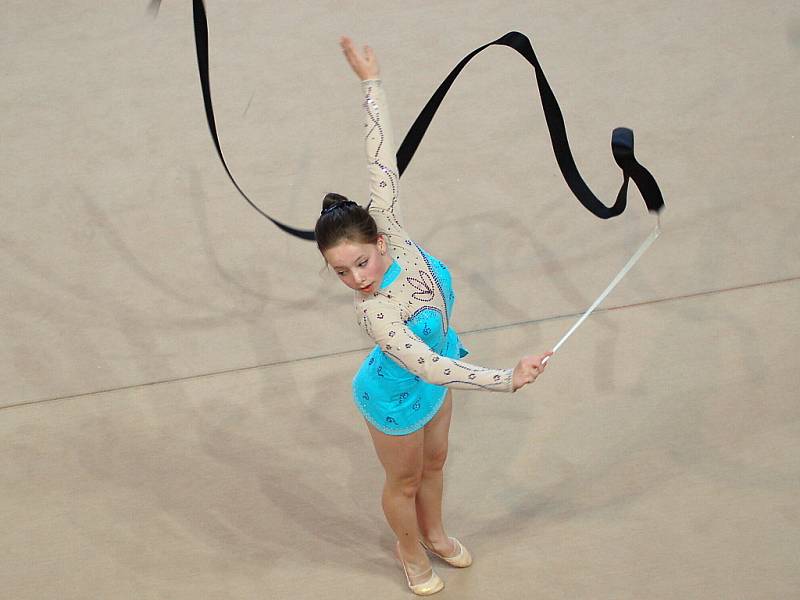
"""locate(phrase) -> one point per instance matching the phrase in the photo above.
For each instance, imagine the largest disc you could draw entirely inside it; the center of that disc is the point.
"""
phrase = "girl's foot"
(442, 547)
(422, 580)
(450, 551)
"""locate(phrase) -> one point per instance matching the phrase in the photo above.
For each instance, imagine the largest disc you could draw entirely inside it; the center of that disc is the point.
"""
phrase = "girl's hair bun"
(332, 199)
(342, 219)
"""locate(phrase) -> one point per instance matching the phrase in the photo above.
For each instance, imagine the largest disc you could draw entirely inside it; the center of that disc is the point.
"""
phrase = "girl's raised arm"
(378, 136)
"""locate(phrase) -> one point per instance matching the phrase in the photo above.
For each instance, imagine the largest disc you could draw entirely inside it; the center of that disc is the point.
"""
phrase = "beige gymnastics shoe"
(430, 586)
(461, 559)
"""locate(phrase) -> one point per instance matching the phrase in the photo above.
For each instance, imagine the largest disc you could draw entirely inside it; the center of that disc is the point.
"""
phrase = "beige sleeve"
(384, 324)
(381, 160)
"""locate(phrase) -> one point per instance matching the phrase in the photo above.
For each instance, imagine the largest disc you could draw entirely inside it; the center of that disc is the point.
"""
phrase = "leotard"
(402, 383)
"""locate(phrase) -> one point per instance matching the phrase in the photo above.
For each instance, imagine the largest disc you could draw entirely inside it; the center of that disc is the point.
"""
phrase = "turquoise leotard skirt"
(393, 399)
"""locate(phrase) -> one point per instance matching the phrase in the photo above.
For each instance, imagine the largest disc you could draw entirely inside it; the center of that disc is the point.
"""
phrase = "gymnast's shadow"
(319, 515)
(239, 479)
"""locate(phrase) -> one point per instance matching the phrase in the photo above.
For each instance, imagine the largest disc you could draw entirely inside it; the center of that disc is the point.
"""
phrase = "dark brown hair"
(343, 220)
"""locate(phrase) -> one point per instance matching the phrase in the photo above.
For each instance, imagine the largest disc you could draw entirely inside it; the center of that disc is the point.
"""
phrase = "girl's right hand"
(528, 369)
(364, 65)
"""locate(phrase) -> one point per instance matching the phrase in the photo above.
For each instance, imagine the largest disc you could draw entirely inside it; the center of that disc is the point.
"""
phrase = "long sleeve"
(383, 322)
(380, 150)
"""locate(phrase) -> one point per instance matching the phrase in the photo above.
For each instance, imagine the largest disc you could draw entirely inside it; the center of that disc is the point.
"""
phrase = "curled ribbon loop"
(621, 139)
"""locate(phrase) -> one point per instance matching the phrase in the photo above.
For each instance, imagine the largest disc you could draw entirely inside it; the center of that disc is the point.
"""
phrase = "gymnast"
(403, 301)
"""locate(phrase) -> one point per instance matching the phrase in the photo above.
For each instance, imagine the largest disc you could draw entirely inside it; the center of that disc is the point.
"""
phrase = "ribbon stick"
(628, 266)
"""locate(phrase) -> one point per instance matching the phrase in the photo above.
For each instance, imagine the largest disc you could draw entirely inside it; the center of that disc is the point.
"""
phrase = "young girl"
(403, 301)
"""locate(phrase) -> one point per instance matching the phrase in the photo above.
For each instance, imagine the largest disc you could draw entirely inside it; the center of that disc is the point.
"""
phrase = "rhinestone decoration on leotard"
(436, 278)
(423, 285)
(400, 398)
(369, 103)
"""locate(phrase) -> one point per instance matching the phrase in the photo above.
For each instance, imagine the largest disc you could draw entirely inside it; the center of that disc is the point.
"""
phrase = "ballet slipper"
(461, 559)
(430, 586)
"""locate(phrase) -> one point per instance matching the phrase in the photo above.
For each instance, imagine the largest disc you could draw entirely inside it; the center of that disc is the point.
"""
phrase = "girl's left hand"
(364, 65)
(528, 369)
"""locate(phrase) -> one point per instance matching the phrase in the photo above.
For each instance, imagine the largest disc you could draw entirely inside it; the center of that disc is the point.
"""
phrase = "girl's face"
(359, 266)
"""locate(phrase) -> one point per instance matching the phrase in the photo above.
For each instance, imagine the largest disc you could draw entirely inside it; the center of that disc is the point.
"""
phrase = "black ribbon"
(201, 42)
(621, 138)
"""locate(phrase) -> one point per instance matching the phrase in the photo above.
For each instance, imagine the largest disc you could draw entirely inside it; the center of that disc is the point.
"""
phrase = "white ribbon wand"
(645, 245)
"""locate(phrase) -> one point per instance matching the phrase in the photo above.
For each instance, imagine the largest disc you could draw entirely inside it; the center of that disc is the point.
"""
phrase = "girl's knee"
(435, 459)
(406, 484)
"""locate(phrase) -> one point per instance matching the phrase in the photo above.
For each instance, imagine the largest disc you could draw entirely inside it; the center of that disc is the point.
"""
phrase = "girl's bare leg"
(402, 460)
(429, 496)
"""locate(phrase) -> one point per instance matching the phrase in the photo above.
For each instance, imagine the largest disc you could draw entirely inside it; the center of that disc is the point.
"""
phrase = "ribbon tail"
(201, 44)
